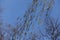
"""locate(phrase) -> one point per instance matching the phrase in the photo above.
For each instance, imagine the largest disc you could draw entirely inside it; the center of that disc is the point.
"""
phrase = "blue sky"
(13, 9)
(56, 9)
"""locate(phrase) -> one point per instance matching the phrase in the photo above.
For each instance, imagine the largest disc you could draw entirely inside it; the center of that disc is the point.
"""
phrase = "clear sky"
(56, 9)
(13, 9)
